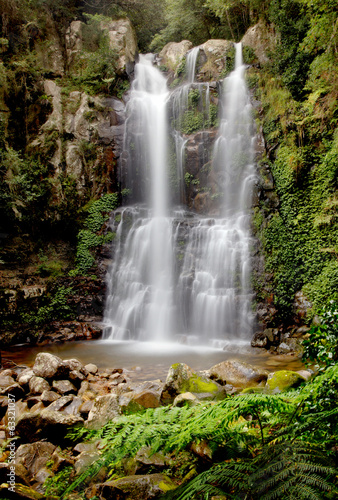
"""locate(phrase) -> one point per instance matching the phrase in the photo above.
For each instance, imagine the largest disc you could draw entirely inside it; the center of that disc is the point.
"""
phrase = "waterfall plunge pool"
(150, 360)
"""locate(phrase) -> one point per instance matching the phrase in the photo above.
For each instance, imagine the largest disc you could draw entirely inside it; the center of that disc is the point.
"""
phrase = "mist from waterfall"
(177, 275)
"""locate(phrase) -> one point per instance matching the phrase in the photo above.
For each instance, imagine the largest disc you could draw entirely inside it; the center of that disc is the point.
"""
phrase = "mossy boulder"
(138, 487)
(283, 380)
(181, 379)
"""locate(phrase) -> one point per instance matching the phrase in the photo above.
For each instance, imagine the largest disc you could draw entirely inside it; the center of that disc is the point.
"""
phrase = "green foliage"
(263, 445)
(95, 70)
(90, 238)
(57, 309)
(56, 485)
(321, 345)
(25, 188)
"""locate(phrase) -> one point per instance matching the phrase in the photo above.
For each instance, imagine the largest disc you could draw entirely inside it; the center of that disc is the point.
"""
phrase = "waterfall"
(139, 283)
(176, 274)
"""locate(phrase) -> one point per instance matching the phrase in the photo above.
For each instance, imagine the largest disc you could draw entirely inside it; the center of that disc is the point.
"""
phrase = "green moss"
(284, 380)
(197, 384)
(167, 485)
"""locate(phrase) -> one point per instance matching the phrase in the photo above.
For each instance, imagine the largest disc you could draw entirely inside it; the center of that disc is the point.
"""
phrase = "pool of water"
(149, 360)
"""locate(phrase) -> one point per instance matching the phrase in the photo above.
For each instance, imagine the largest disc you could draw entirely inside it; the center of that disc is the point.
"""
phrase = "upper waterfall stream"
(177, 274)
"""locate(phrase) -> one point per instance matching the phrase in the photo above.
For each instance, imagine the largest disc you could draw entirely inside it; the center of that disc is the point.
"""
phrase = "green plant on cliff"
(90, 237)
(321, 344)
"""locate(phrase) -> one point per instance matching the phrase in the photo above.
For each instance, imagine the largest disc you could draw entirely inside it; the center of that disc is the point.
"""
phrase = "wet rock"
(45, 424)
(144, 461)
(60, 460)
(186, 399)
(305, 374)
(61, 403)
(105, 408)
(91, 368)
(136, 487)
(181, 378)
(73, 364)
(34, 456)
(215, 52)
(283, 380)
(85, 408)
(21, 492)
(6, 381)
(38, 384)
(48, 397)
(64, 387)
(238, 374)
(132, 401)
(15, 390)
(259, 340)
(21, 473)
(301, 305)
(74, 407)
(33, 400)
(76, 377)
(25, 376)
(47, 365)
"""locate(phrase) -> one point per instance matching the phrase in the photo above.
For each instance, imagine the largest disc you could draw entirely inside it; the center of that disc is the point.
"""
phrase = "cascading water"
(139, 283)
(206, 294)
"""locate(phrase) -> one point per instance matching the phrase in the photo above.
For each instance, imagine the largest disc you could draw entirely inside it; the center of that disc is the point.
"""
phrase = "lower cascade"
(177, 275)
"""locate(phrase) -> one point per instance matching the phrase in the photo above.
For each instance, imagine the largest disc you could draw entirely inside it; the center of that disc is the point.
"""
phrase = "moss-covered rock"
(137, 487)
(181, 378)
(283, 380)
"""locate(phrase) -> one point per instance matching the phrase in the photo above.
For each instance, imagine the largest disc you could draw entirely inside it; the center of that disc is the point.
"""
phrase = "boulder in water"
(181, 378)
(238, 374)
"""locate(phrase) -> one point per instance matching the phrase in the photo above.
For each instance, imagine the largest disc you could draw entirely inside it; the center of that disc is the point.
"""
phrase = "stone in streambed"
(238, 374)
(187, 398)
(181, 378)
(64, 387)
(49, 366)
(37, 385)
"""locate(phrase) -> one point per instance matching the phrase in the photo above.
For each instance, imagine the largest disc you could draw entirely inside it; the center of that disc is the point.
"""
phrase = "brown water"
(147, 360)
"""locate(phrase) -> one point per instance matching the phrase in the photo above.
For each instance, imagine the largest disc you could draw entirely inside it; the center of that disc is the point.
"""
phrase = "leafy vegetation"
(321, 345)
(262, 445)
(91, 236)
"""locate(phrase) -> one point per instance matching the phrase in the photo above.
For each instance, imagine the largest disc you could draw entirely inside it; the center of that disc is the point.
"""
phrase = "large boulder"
(48, 365)
(181, 378)
(214, 60)
(261, 39)
(238, 374)
(173, 53)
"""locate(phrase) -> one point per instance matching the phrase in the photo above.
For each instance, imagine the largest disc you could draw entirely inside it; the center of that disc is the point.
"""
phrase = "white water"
(205, 297)
(139, 283)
